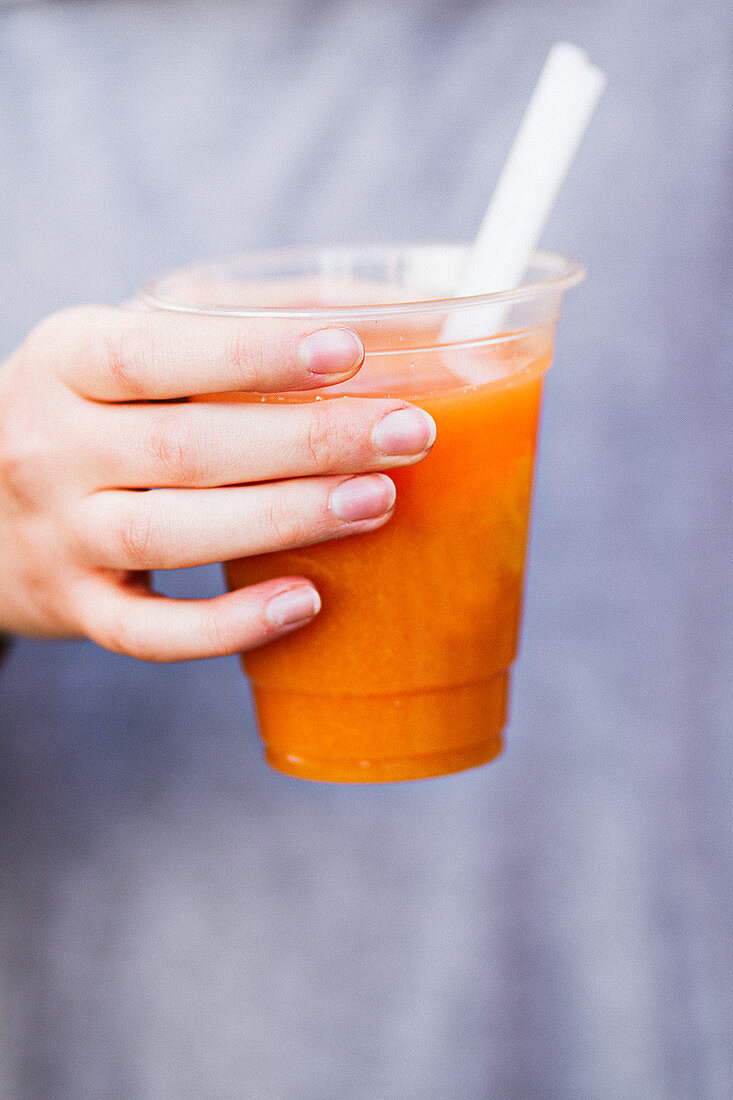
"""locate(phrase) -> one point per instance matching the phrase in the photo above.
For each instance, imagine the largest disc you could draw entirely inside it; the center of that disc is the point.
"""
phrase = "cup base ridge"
(382, 739)
(387, 771)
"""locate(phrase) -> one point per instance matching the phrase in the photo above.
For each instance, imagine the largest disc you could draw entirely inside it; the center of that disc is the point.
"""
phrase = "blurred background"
(178, 921)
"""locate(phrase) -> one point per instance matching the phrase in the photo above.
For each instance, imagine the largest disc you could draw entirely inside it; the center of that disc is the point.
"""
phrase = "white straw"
(556, 118)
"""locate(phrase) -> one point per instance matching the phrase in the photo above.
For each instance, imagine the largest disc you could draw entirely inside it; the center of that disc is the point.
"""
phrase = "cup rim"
(569, 273)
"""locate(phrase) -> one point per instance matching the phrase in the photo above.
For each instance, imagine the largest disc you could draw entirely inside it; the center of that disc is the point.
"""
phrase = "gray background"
(178, 921)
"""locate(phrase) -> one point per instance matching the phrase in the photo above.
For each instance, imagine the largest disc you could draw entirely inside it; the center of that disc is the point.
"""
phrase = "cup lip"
(570, 272)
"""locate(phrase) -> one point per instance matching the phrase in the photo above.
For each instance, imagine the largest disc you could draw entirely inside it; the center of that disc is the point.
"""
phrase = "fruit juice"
(404, 674)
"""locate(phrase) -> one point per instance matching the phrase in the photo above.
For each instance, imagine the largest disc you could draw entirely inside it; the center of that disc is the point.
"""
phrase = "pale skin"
(93, 412)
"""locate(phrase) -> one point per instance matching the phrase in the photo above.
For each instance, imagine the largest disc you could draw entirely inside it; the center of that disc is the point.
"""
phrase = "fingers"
(127, 618)
(116, 354)
(211, 443)
(177, 528)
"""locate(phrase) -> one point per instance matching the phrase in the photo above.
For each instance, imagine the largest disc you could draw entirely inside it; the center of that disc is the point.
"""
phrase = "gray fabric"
(178, 921)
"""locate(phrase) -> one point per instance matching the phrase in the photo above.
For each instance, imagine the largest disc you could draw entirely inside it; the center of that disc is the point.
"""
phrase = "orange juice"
(404, 674)
(405, 671)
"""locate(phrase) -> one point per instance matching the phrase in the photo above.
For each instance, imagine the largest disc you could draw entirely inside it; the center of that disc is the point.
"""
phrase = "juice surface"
(404, 671)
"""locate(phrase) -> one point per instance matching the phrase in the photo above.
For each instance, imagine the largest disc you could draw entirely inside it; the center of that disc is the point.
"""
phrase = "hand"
(93, 412)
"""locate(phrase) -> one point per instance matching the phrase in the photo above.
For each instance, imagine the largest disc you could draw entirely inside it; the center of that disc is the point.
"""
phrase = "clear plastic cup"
(404, 674)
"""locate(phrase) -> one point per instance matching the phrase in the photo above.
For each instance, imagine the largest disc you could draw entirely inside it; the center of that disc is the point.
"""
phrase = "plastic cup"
(405, 672)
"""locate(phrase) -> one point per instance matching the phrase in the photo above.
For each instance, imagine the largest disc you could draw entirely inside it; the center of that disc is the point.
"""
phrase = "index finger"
(115, 354)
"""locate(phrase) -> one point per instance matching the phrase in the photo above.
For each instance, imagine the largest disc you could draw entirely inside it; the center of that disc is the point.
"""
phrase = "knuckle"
(128, 359)
(86, 530)
(216, 635)
(72, 333)
(287, 524)
(246, 358)
(322, 439)
(175, 451)
(14, 465)
(25, 466)
(138, 535)
(108, 342)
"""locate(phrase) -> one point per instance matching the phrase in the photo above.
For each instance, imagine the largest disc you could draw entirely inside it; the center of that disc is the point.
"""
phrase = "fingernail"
(362, 498)
(297, 605)
(404, 432)
(331, 351)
